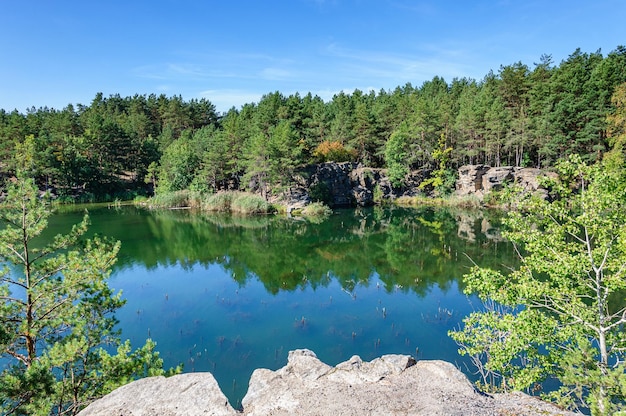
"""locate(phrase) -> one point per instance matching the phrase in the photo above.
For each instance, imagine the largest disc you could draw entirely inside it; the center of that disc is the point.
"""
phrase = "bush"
(177, 199)
(319, 192)
(245, 203)
(469, 201)
(316, 209)
(239, 202)
(219, 202)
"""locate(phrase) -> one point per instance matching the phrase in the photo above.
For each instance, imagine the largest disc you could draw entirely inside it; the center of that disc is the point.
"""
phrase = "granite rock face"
(347, 184)
(351, 184)
(481, 179)
(470, 180)
(184, 394)
(339, 184)
(389, 385)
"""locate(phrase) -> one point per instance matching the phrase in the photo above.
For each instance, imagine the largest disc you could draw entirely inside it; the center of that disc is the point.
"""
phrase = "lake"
(230, 294)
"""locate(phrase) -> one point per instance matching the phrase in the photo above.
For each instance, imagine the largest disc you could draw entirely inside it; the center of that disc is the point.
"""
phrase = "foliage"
(316, 209)
(176, 199)
(178, 165)
(562, 312)
(237, 202)
(466, 201)
(57, 326)
(442, 178)
(617, 120)
(333, 151)
(245, 203)
(396, 155)
(519, 115)
(320, 192)
(219, 202)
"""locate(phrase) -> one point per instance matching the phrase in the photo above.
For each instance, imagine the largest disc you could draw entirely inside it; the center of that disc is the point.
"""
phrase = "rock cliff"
(347, 184)
(351, 184)
(480, 179)
(389, 385)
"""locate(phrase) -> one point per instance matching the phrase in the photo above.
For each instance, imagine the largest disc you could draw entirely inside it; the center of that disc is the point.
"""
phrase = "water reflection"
(230, 294)
(408, 249)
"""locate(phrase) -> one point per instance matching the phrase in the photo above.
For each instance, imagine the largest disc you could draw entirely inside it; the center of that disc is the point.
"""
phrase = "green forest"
(519, 115)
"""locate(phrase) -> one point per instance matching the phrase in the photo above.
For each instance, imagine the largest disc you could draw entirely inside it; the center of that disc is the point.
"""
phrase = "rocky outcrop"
(338, 184)
(481, 179)
(495, 178)
(389, 385)
(351, 184)
(346, 184)
(183, 394)
(470, 180)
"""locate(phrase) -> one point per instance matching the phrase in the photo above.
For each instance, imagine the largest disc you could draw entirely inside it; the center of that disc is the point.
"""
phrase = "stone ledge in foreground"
(389, 385)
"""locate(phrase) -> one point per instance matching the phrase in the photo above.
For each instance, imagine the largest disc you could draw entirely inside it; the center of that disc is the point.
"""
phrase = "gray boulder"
(389, 385)
(184, 394)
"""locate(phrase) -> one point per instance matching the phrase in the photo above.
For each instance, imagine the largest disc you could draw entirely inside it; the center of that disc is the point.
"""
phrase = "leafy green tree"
(575, 114)
(56, 325)
(561, 314)
(497, 120)
(315, 123)
(178, 166)
(540, 99)
(617, 119)
(364, 140)
(397, 155)
(341, 110)
(214, 160)
(442, 178)
(514, 88)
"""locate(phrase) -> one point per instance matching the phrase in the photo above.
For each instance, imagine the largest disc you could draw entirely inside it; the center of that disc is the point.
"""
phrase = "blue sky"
(233, 51)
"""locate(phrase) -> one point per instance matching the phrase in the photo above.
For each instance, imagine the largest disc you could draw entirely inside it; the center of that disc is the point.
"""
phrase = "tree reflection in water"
(229, 294)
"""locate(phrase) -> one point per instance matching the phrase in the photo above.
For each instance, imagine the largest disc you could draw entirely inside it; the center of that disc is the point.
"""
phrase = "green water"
(231, 294)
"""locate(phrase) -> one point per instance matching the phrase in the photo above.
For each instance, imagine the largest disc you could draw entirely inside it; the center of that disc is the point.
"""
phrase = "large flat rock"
(188, 394)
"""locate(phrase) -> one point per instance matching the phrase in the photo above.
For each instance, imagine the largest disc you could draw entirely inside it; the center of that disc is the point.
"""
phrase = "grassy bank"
(234, 202)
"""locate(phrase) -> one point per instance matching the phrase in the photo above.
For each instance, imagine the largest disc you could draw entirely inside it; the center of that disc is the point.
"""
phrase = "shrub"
(245, 203)
(316, 209)
(219, 202)
(239, 202)
(177, 199)
(319, 192)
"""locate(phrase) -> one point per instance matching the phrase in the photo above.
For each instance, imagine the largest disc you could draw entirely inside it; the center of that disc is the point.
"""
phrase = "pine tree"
(56, 311)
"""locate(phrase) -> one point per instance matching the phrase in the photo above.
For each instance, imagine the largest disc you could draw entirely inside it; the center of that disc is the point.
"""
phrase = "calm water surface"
(230, 294)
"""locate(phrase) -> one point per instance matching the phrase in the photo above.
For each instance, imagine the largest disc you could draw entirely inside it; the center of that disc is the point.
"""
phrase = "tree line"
(519, 115)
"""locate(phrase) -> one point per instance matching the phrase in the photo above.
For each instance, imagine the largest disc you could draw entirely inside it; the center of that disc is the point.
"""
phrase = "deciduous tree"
(560, 313)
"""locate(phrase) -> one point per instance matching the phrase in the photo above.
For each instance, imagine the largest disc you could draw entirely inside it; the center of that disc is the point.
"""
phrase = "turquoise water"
(230, 294)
